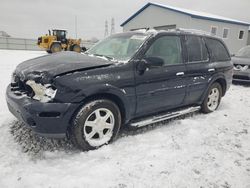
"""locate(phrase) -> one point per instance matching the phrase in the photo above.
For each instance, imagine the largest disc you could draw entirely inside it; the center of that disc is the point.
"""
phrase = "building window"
(213, 30)
(225, 33)
(241, 34)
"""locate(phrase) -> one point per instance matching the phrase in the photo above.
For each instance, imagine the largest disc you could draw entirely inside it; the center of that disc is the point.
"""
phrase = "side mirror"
(148, 63)
(154, 62)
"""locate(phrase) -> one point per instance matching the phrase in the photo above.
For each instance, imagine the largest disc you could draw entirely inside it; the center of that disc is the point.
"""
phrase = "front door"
(161, 87)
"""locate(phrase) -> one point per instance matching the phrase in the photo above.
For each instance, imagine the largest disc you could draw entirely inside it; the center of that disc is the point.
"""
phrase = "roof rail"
(194, 31)
(180, 30)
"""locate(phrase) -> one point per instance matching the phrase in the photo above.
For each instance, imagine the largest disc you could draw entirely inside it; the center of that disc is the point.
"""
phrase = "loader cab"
(60, 35)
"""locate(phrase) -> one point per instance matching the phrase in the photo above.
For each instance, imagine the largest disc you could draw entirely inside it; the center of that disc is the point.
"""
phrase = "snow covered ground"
(210, 150)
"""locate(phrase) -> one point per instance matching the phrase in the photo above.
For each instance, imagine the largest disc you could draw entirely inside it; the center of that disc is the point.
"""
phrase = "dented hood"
(49, 66)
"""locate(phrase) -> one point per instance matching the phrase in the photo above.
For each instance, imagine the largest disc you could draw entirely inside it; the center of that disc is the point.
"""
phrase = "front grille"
(19, 87)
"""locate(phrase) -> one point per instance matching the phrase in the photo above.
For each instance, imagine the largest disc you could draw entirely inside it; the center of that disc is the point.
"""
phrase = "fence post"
(25, 44)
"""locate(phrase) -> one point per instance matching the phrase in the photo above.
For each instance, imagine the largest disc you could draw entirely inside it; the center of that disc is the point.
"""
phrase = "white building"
(162, 17)
(248, 41)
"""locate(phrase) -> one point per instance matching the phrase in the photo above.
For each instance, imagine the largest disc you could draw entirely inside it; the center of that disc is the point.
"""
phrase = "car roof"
(59, 30)
(179, 31)
(153, 32)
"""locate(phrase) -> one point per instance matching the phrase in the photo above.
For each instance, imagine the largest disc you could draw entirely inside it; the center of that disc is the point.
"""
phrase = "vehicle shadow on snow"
(35, 145)
(239, 83)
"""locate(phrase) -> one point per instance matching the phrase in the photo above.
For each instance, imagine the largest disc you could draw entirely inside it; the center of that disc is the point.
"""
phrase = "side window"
(241, 34)
(167, 48)
(225, 33)
(196, 49)
(217, 50)
(214, 30)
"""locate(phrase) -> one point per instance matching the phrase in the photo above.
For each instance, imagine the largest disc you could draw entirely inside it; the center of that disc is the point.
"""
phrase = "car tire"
(212, 98)
(84, 49)
(56, 47)
(97, 123)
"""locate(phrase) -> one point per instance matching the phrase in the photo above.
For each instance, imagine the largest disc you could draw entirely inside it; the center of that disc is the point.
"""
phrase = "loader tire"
(76, 48)
(56, 47)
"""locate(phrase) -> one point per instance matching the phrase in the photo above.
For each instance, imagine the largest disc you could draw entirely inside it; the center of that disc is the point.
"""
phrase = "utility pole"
(106, 33)
(76, 26)
(112, 26)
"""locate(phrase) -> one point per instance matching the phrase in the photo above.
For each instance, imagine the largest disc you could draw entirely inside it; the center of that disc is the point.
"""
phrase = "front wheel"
(212, 99)
(96, 124)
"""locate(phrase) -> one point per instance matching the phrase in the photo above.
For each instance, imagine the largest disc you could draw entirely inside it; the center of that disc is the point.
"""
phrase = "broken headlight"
(42, 93)
(13, 78)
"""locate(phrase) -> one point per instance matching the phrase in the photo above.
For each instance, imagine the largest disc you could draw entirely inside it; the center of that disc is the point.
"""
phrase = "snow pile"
(34, 145)
(210, 150)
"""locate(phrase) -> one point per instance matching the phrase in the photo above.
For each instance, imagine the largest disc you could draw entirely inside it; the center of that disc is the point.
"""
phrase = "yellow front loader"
(57, 41)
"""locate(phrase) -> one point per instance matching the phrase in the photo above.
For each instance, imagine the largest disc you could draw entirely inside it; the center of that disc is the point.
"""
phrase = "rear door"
(199, 67)
(205, 57)
(161, 88)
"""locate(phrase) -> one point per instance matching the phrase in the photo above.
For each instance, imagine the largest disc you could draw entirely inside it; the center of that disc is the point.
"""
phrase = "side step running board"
(162, 117)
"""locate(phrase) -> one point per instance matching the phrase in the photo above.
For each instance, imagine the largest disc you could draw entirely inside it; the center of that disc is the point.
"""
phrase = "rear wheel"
(97, 123)
(76, 48)
(212, 99)
(56, 47)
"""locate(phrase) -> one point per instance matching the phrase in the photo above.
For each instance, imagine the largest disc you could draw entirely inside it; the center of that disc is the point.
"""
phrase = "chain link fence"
(10, 43)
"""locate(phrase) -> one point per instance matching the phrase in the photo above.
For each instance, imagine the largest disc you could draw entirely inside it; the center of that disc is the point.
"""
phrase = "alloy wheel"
(98, 127)
(213, 99)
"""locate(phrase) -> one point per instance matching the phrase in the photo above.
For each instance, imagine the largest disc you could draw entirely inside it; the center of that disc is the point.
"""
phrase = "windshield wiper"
(100, 55)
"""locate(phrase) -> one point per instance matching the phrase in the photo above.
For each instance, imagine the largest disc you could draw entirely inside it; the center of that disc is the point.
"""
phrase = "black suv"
(134, 79)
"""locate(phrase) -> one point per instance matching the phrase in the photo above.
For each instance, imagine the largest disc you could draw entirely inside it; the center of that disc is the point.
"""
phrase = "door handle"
(179, 73)
(211, 70)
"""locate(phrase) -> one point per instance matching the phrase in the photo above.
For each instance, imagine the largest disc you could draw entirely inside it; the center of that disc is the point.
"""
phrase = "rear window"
(196, 49)
(217, 50)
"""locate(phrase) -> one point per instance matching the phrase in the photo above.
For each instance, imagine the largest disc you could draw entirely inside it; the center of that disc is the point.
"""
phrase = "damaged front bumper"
(241, 76)
(46, 119)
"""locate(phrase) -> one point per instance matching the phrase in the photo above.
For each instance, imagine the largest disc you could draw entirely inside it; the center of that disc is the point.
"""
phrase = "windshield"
(59, 33)
(118, 47)
(244, 52)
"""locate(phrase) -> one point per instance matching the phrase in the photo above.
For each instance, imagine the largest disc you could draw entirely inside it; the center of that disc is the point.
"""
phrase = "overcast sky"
(32, 18)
